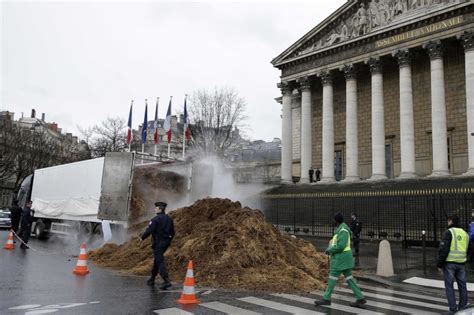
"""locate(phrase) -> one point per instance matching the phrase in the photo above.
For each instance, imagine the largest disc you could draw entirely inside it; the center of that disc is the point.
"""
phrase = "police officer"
(356, 228)
(27, 217)
(15, 215)
(161, 228)
(451, 259)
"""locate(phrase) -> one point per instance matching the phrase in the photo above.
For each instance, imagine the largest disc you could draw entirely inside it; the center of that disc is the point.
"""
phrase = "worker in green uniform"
(341, 262)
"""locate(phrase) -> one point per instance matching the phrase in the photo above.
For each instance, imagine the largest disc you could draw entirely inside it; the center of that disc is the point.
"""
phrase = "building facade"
(381, 89)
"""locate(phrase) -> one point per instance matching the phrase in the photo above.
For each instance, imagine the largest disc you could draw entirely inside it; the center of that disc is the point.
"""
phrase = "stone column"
(378, 124)
(328, 128)
(438, 110)
(352, 145)
(286, 137)
(468, 43)
(306, 119)
(407, 127)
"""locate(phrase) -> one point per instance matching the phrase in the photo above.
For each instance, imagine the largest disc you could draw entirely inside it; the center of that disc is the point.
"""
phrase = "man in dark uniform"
(317, 173)
(356, 228)
(15, 215)
(311, 174)
(161, 228)
(27, 216)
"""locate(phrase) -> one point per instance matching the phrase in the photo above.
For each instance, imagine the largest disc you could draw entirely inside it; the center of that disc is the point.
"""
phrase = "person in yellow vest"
(342, 261)
(452, 256)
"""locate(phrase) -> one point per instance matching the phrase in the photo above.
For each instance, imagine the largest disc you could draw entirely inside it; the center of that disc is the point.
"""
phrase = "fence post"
(423, 238)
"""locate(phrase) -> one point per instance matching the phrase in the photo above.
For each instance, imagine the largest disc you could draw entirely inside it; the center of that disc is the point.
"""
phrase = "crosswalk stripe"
(434, 283)
(229, 309)
(400, 300)
(335, 306)
(278, 306)
(172, 311)
(409, 294)
(398, 308)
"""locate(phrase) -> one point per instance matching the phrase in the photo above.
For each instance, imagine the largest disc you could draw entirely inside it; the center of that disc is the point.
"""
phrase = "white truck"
(79, 197)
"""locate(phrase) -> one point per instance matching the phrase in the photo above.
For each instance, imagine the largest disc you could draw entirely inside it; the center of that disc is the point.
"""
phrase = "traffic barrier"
(9, 244)
(81, 266)
(188, 296)
(384, 262)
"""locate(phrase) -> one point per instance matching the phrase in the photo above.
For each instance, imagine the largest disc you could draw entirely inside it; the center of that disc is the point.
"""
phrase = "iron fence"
(384, 215)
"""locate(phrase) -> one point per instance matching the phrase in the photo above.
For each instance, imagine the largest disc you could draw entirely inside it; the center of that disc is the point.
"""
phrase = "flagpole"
(170, 123)
(156, 127)
(131, 130)
(184, 129)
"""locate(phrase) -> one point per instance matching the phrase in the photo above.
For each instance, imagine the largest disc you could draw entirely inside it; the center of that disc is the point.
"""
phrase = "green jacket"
(340, 259)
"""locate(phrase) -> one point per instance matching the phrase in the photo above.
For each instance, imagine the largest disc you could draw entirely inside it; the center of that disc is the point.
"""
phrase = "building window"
(388, 160)
(338, 165)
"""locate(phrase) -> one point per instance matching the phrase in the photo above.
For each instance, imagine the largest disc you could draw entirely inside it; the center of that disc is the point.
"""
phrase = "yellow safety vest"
(348, 245)
(459, 244)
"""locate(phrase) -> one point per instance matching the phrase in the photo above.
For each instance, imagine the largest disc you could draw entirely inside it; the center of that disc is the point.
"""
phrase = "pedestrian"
(161, 229)
(452, 256)
(15, 215)
(311, 173)
(318, 174)
(356, 228)
(341, 261)
(27, 218)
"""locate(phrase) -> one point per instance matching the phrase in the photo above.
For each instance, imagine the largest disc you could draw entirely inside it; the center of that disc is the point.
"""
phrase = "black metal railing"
(393, 215)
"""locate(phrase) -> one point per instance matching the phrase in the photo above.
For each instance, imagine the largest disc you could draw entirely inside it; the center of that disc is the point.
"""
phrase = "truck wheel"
(39, 229)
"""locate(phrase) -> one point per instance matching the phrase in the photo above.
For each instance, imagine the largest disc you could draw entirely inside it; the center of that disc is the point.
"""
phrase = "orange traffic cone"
(188, 296)
(9, 244)
(81, 266)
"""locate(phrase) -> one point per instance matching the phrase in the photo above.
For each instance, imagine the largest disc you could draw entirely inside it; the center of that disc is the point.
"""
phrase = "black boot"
(359, 303)
(166, 284)
(151, 281)
(322, 302)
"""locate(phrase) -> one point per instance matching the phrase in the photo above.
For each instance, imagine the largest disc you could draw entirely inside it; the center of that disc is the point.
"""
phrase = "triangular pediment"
(358, 19)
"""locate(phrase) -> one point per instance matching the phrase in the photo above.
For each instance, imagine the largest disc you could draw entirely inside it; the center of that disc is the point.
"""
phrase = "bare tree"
(108, 136)
(214, 116)
(23, 150)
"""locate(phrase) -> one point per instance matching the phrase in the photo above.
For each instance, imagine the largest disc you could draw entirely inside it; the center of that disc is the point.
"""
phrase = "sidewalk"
(407, 262)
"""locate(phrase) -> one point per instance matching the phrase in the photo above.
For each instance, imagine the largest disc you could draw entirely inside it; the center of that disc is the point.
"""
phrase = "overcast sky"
(82, 61)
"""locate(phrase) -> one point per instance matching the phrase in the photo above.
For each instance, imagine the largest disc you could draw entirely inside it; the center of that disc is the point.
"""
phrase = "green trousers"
(334, 275)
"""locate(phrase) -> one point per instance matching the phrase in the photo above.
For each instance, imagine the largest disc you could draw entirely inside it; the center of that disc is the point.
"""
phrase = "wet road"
(38, 283)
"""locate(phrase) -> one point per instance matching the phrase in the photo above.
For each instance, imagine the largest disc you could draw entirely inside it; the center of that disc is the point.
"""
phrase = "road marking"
(94, 302)
(43, 311)
(334, 306)
(420, 296)
(380, 305)
(278, 306)
(434, 283)
(172, 311)
(228, 309)
(24, 307)
(208, 292)
(400, 300)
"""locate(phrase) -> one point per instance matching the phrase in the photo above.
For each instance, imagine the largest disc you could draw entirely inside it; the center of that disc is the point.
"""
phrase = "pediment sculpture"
(371, 15)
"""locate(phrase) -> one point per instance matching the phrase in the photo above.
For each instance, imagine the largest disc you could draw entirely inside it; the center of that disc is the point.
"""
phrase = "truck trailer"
(80, 197)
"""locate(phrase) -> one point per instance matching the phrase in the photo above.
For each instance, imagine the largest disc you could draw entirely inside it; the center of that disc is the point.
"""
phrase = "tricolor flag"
(145, 123)
(167, 125)
(155, 125)
(187, 132)
(129, 131)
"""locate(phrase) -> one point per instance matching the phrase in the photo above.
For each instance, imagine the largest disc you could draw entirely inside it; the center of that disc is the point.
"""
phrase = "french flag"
(167, 124)
(155, 133)
(187, 132)
(129, 131)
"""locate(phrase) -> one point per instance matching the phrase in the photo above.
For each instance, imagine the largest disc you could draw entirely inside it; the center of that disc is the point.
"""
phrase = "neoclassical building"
(381, 89)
